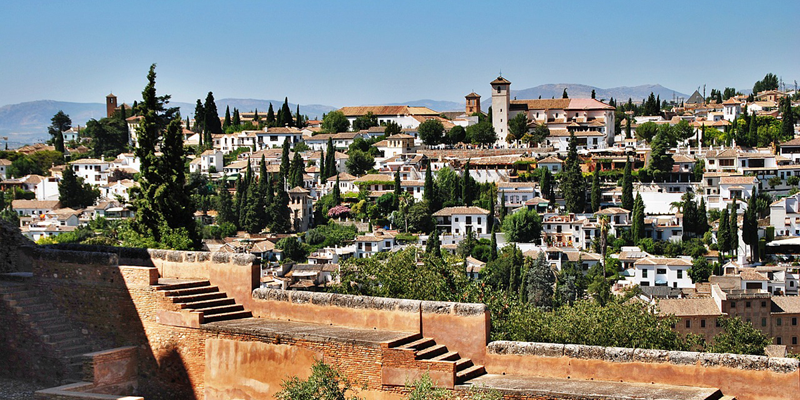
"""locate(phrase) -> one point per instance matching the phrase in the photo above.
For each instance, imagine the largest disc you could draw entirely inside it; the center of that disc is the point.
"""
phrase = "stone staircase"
(427, 349)
(65, 342)
(201, 296)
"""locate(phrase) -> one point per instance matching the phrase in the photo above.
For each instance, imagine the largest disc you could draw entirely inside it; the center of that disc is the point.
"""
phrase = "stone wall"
(443, 321)
(14, 249)
(744, 376)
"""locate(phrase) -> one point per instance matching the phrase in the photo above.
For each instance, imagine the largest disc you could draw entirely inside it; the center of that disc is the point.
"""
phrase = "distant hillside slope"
(436, 105)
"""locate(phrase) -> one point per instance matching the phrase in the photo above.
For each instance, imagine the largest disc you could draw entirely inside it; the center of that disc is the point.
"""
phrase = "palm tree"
(678, 205)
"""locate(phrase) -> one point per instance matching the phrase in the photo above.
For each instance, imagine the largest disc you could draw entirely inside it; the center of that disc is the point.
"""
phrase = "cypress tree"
(573, 184)
(637, 225)
(199, 118)
(493, 245)
(787, 119)
(466, 188)
(237, 120)
(397, 189)
(546, 184)
(270, 116)
(286, 114)
(750, 227)
(239, 201)
(734, 229)
(596, 195)
(323, 174)
(433, 246)
(211, 122)
(281, 218)
(227, 122)
(298, 118)
(256, 117)
(124, 114)
(752, 135)
(296, 171)
(564, 95)
(502, 206)
(490, 218)
(689, 217)
(723, 233)
(593, 94)
(243, 198)
(284, 171)
(225, 211)
(429, 192)
(702, 218)
(627, 186)
(331, 169)
(269, 199)
(255, 210)
(337, 195)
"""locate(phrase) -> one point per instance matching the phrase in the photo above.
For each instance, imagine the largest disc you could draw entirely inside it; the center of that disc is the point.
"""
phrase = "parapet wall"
(448, 323)
(744, 376)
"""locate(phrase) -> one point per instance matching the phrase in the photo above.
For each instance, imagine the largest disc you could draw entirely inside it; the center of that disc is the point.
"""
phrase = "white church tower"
(500, 102)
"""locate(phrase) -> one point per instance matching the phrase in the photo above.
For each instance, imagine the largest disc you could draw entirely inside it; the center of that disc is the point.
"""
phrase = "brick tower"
(473, 103)
(111, 105)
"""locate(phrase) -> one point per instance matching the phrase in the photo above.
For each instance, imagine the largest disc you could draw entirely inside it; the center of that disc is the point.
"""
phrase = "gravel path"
(13, 389)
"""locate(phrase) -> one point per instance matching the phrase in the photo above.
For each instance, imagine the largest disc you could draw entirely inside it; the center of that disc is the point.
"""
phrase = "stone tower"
(473, 103)
(500, 103)
(111, 105)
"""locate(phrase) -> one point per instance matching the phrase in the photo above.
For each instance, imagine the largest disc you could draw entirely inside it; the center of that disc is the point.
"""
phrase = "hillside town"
(692, 205)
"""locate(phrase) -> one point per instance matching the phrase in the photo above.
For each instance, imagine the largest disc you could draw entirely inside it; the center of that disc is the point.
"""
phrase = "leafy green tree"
(73, 193)
(481, 133)
(359, 162)
(392, 128)
(431, 132)
(770, 82)
(325, 383)
(537, 135)
(660, 158)
(60, 123)
(335, 122)
(419, 218)
(456, 135)
(109, 136)
(163, 209)
(572, 184)
(517, 127)
(524, 226)
(540, 282)
(596, 194)
(570, 284)
(365, 121)
(646, 131)
(434, 246)
(700, 271)
(423, 388)
(738, 337)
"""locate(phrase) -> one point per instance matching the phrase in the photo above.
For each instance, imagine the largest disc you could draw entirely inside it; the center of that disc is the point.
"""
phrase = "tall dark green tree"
(211, 122)
(540, 281)
(689, 216)
(733, 225)
(564, 95)
(242, 194)
(627, 186)
(723, 232)
(433, 245)
(429, 191)
(467, 193)
(162, 204)
(493, 245)
(199, 117)
(337, 194)
(750, 227)
(752, 134)
(237, 119)
(323, 173)
(59, 124)
(397, 189)
(596, 194)
(284, 169)
(330, 162)
(271, 121)
(225, 211)
(286, 114)
(701, 227)
(502, 210)
(281, 215)
(490, 218)
(228, 121)
(787, 119)
(637, 223)
(573, 185)
(297, 170)
(73, 192)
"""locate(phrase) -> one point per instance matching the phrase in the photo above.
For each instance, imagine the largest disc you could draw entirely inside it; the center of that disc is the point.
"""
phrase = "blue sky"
(352, 52)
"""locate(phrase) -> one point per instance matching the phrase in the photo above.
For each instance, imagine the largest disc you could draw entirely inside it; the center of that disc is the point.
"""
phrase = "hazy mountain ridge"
(576, 90)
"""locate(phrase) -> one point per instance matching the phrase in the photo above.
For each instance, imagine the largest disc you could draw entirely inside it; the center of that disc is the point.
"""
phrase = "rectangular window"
(644, 273)
(779, 322)
(688, 323)
(662, 271)
(794, 321)
(794, 339)
(763, 304)
(702, 323)
(747, 304)
(733, 304)
(778, 340)
(763, 322)
(680, 274)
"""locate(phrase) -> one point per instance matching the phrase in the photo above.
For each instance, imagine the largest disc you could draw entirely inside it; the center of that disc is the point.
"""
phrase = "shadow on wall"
(92, 290)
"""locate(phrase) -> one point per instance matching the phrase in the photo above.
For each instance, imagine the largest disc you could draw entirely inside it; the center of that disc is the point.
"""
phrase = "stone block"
(783, 365)
(683, 357)
(619, 354)
(650, 355)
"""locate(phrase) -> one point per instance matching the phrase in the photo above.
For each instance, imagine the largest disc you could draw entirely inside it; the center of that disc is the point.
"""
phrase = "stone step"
(16, 276)
(404, 340)
(198, 297)
(188, 291)
(463, 363)
(21, 294)
(470, 373)
(449, 356)
(51, 328)
(65, 342)
(220, 310)
(37, 315)
(74, 350)
(431, 351)
(23, 301)
(227, 316)
(62, 335)
(182, 285)
(208, 303)
(419, 344)
(34, 308)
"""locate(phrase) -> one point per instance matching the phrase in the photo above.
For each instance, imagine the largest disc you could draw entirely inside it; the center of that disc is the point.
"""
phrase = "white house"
(784, 216)
(209, 161)
(554, 164)
(789, 149)
(731, 109)
(4, 164)
(340, 140)
(396, 144)
(371, 244)
(127, 161)
(92, 170)
(346, 183)
(652, 271)
(460, 220)
(25, 208)
(516, 193)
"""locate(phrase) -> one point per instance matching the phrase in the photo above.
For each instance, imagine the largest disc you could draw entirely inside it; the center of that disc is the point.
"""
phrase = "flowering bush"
(338, 211)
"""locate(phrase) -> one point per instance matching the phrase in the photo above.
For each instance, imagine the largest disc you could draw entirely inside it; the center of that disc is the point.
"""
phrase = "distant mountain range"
(575, 90)
(27, 122)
